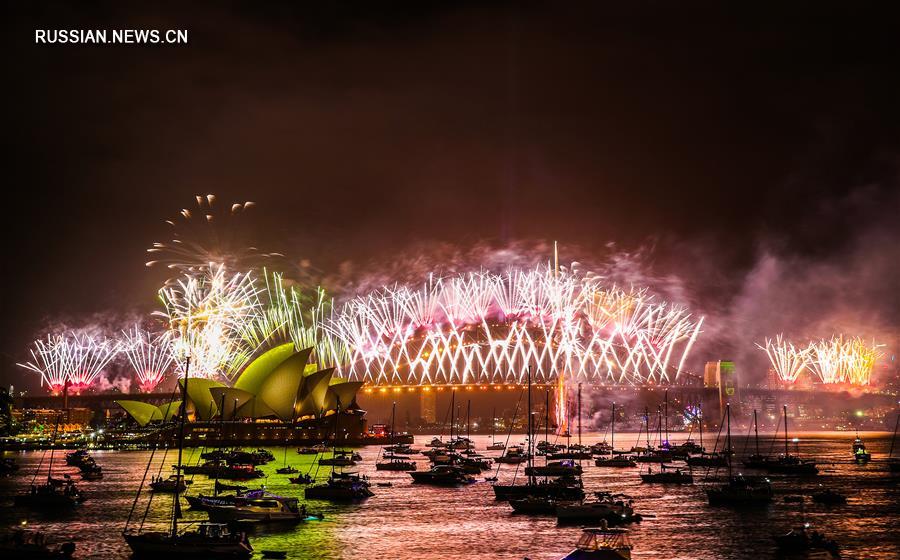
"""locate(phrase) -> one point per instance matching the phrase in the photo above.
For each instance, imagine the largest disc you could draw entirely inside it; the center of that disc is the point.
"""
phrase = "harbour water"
(406, 521)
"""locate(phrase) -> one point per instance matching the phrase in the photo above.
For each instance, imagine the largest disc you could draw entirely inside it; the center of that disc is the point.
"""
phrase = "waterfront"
(406, 521)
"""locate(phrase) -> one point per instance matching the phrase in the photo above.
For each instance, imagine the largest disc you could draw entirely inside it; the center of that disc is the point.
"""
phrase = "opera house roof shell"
(280, 383)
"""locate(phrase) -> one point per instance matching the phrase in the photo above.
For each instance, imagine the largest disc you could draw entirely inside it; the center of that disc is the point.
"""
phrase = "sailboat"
(790, 464)
(340, 487)
(739, 490)
(54, 494)
(209, 540)
(562, 488)
(495, 445)
(614, 460)
(757, 460)
(394, 463)
(704, 459)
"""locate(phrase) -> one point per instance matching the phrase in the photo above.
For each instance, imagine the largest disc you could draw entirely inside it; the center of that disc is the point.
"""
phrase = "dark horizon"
(747, 163)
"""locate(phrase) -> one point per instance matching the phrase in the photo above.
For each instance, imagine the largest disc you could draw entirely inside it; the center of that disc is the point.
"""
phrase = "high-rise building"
(711, 374)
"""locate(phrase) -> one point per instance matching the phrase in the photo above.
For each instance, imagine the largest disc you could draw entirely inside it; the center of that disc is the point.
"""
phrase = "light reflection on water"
(406, 521)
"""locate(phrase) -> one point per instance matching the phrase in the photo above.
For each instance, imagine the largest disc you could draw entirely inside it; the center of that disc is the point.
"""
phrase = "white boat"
(602, 543)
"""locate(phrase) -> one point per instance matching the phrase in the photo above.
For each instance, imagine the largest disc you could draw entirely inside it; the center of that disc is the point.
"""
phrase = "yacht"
(173, 484)
(340, 487)
(269, 509)
(442, 475)
(609, 508)
(860, 455)
(602, 543)
(813, 544)
(514, 455)
(339, 459)
(394, 463)
(667, 475)
(616, 461)
(555, 468)
(313, 450)
(54, 494)
(210, 540)
(536, 505)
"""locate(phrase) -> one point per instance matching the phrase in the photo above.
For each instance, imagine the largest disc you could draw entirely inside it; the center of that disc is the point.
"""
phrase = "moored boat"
(603, 543)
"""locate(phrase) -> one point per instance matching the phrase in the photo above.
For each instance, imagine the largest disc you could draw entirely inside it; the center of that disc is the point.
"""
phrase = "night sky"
(719, 139)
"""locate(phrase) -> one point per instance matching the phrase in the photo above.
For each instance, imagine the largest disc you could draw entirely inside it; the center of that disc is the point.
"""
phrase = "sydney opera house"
(279, 398)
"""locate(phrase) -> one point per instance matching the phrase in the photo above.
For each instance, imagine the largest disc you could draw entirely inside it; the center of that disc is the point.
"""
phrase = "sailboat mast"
(468, 420)
(785, 432)
(667, 418)
(393, 419)
(52, 445)
(183, 414)
(700, 425)
(894, 436)
(530, 431)
(493, 425)
(579, 415)
(728, 437)
(612, 444)
(452, 412)
(756, 431)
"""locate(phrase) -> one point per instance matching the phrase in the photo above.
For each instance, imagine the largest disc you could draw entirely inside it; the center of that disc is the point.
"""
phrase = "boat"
(555, 468)
(603, 543)
(670, 476)
(27, 544)
(264, 509)
(513, 455)
(563, 489)
(809, 544)
(339, 459)
(829, 497)
(860, 455)
(393, 462)
(785, 463)
(739, 490)
(313, 450)
(614, 460)
(340, 487)
(286, 470)
(302, 479)
(222, 487)
(401, 449)
(442, 475)
(220, 469)
(699, 457)
(535, 505)
(55, 493)
(610, 508)
(208, 540)
(50, 496)
(436, 442)
(495, 445)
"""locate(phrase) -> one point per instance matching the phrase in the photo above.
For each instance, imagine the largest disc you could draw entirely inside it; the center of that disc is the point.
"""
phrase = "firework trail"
(481, 327)
(844, 361)
(209, 234)
(787, 360)
(207, 311)
(150, 355)
(290, 315)
(73, 358)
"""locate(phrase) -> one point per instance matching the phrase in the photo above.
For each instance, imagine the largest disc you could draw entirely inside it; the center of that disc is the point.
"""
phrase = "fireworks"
(835, 360)
(488, 328)
(844, 361)
(207, 312)
(205, 235)
(72, 359)
(787, 360)
(289, 315)
(150, 354)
